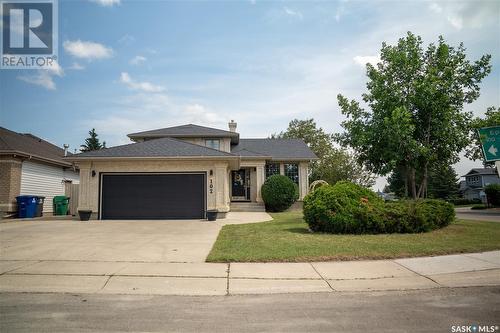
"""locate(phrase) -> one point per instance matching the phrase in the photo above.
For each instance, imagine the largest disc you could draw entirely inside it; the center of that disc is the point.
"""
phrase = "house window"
(272, 169)
(292, 172)
(213, 143)
(473, 180)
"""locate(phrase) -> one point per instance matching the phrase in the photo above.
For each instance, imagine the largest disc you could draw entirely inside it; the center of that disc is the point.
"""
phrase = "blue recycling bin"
(26, 205)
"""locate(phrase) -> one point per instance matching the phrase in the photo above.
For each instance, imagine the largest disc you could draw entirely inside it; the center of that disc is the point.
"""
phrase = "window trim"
(276, 171)
(211, 146)
(296, 178)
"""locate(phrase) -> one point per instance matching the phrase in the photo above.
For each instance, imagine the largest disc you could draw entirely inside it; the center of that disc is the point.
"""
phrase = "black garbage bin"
(211, 215)
(39, 206)
(84, 214)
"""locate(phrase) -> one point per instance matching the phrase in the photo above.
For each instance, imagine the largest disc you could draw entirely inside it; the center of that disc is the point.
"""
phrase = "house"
(30, 165)
(475, 182)
(181, 172)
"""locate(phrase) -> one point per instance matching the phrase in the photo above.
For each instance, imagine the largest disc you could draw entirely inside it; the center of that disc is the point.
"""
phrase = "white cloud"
(44, 77)
(87, 50)
(107, 3)
(293, 13)
(363, 60)
(137, 60)
(76, 66)
(141, 86)
(473, 14)
(436, 8)
(196, 113)
(145, 111)
(126, 39)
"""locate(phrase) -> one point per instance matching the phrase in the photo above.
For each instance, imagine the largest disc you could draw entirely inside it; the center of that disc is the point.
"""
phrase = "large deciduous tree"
(442, 183)
(334, 164)
(415, 120)
(474, 150)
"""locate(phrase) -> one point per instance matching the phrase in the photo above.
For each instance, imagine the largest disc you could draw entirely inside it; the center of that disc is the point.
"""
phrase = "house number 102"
(211, 186)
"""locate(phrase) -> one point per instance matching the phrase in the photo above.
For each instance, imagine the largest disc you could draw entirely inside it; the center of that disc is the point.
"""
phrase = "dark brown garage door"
(153, 196)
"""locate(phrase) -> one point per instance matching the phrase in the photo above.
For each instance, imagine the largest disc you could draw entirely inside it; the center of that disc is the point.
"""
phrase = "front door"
(240, 190)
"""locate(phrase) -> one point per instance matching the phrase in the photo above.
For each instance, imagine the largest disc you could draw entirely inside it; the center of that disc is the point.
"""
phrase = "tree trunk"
(423, 185)
(411, 183)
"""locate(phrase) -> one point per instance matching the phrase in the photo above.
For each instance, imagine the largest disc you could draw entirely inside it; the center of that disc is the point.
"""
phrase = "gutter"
(86, 158)
(36, 157)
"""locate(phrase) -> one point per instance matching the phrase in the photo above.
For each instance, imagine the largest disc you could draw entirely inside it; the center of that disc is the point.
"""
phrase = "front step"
(247, 207)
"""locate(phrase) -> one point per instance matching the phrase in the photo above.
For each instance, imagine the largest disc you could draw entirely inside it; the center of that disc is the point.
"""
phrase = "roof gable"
(161, 147)
(186, 131)
(30, 145)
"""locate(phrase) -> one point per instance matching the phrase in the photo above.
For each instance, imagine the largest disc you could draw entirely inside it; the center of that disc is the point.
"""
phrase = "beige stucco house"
(183, 171)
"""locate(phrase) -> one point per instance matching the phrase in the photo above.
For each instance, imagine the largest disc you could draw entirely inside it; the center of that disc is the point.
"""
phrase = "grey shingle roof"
(482, 171)
(30, 145)
(277, 149)
(162, 147)
(185, 131)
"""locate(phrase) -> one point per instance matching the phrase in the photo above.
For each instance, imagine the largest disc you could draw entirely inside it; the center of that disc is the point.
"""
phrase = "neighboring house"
(181, 172)
(31, 166)
(475, 182)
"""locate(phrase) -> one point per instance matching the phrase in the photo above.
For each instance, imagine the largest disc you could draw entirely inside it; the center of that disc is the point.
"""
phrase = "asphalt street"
(465, 213)
(434, 310)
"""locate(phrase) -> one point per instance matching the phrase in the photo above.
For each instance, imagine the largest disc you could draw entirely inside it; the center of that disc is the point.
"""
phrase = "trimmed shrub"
(347, 208)
(342, 208)
(479, 206)
(279, 193)
(493, 194)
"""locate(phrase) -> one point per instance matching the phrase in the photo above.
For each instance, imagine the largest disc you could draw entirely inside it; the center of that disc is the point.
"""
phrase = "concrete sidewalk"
(160, 278)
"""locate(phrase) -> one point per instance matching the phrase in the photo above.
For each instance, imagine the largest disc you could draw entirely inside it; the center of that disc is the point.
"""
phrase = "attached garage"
(153, 196)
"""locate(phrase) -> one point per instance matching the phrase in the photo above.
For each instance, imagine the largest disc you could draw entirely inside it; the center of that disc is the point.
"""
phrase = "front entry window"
(213, 143)
(292, 172)
(240, 185)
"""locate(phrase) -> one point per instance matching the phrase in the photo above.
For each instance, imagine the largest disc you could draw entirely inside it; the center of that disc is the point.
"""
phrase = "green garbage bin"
(61, 203)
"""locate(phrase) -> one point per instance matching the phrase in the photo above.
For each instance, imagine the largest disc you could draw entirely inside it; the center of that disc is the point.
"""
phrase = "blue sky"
(127, 66)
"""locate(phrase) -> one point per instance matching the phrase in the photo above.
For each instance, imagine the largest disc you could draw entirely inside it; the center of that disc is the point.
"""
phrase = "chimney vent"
(232, 126)
(66, 146)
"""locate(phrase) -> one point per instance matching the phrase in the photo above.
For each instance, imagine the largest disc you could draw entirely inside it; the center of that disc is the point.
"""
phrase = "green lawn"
(287, 238)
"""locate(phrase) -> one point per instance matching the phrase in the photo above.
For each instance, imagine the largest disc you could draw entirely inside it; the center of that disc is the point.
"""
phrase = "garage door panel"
(153, 196)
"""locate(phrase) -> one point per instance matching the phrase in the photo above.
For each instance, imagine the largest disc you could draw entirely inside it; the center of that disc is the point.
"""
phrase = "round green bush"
(347, 208)
(342, 208)
(279, 193)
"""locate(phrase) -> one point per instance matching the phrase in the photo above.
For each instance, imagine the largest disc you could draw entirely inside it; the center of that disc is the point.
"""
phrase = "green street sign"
(490, 140)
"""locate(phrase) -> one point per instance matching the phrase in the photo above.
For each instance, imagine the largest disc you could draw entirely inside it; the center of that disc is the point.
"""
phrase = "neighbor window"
(272, 169)
(473, 180)
(213, 143)
(292, 172)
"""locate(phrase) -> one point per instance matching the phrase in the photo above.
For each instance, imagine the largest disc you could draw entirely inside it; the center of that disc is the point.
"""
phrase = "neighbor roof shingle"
(482, 171)
(162, 147)
(278, 149)
(30, 145)
(186, 131)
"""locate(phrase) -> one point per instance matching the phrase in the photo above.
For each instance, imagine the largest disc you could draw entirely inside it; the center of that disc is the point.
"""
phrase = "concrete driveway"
(142, 241)
(123, 241)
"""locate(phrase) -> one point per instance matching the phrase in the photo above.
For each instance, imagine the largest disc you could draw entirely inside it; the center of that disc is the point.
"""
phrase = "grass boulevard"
(287, 239)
